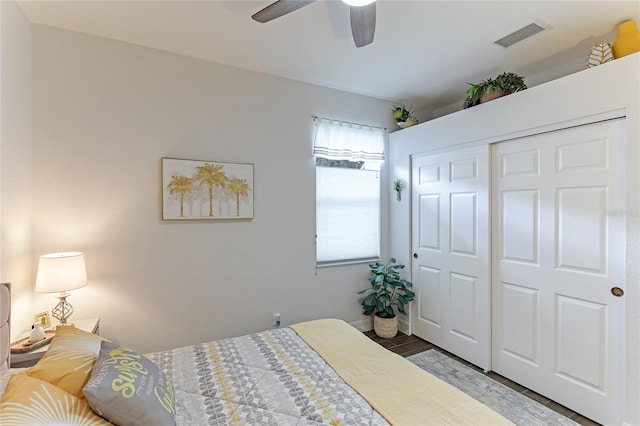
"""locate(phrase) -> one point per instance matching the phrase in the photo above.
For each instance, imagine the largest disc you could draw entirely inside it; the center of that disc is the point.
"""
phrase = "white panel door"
(558, 255)
(450, 239)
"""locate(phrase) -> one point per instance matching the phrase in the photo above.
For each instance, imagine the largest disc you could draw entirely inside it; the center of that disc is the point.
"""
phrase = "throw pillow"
(29, 401)
(128, 389)
(69, 360)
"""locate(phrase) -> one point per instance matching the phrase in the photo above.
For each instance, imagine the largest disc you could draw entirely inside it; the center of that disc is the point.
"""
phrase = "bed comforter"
(268, 378)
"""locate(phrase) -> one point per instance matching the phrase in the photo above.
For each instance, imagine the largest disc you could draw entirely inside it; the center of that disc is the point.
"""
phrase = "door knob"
(415, 255)
(617, 291)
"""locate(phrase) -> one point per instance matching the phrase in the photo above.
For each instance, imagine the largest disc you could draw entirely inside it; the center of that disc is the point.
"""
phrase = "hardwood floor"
(409, 345)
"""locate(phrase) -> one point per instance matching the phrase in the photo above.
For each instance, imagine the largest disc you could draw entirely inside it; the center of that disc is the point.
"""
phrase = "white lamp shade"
(59, 272)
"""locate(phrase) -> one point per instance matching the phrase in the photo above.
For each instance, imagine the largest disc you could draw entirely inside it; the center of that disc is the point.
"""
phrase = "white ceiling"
(423, 53)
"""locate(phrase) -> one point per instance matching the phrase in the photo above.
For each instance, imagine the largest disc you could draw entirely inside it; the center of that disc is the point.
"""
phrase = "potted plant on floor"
(493, 88)
(387, 289)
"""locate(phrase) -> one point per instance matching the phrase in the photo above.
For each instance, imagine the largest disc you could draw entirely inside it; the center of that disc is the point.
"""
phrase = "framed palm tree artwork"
(195, 189)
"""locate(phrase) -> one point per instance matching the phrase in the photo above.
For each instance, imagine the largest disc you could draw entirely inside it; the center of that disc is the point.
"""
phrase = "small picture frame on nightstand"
(43, 318)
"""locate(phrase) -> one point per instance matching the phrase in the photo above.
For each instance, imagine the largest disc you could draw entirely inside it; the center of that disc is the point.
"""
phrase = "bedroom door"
(450, 241)
(558, 266)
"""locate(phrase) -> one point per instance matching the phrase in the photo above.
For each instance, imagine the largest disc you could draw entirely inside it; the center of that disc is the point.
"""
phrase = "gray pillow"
(126, 388)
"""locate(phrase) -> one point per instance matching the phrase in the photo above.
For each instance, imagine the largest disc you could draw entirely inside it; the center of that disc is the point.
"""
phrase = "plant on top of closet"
(404, 116)
(493, 88)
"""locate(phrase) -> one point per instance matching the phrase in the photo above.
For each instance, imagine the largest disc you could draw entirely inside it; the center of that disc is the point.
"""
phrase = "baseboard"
(404, 326)
(364, 324)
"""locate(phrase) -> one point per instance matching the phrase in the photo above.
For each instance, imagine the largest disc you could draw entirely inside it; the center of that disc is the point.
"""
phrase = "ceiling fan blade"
(363, 24)
(278, 9)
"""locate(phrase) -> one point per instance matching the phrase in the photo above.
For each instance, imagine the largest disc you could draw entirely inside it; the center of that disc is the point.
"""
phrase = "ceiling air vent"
(521, 34)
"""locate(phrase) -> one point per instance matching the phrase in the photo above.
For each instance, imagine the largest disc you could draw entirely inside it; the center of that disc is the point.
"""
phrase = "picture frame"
(206, 190)
(43, 318)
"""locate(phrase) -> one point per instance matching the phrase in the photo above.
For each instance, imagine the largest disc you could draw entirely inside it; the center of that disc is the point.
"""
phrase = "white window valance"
(340, 140)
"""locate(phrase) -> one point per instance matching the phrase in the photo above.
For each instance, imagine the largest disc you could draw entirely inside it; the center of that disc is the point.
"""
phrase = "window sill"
(347, 262)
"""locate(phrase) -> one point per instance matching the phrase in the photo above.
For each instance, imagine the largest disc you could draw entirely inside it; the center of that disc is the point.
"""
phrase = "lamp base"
(63, 310)
(67, 324)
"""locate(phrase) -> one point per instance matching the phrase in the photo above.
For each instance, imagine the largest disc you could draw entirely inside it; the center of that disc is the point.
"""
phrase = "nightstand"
(28, 359)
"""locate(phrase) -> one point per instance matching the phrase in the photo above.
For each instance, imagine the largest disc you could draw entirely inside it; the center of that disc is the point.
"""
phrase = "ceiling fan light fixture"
(358, 2)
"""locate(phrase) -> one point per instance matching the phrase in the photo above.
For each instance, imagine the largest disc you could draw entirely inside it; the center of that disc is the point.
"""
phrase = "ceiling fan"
(363, 16)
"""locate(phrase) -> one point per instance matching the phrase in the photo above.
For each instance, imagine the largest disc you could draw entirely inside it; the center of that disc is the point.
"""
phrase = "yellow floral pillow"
(69, 360)
(29, 401)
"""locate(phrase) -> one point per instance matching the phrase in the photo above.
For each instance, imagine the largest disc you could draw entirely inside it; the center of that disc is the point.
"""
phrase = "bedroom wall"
(15, 161)
(104, 114)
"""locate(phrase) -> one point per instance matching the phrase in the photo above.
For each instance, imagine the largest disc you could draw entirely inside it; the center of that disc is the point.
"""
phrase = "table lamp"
(61, 272)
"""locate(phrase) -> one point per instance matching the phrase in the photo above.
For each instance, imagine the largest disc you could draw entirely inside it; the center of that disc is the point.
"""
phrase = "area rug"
(516, 407)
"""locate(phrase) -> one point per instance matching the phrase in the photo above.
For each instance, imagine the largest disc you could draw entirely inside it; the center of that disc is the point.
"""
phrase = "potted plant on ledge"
(493, 88)
(387, 289)
(404, 116)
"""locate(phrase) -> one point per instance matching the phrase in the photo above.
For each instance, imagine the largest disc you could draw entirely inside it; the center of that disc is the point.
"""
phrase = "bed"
(321, 372)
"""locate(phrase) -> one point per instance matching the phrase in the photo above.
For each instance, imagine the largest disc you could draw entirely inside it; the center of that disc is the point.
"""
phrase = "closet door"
(558, 266)
(450, 239)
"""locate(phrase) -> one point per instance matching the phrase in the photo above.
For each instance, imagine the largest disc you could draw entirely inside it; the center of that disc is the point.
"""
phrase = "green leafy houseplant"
(386, 290)
(492, 88)
(401, 113)
(404, 116)
(398, 186)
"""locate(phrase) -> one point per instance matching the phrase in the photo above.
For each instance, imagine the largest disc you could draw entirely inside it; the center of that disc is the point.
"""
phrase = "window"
(348, 159)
